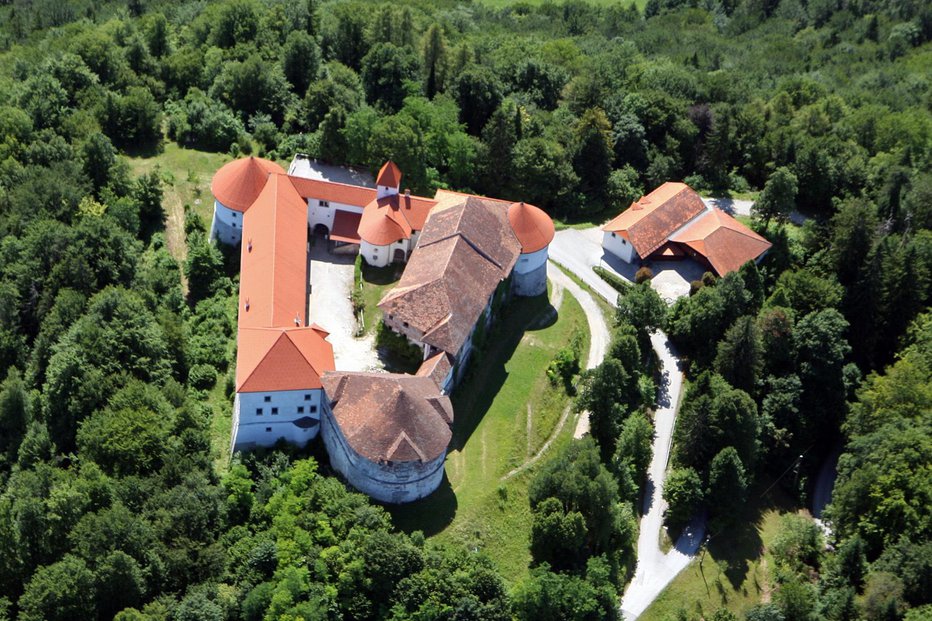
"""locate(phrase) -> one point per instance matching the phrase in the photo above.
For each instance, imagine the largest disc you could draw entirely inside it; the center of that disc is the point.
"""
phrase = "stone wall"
(394, 483)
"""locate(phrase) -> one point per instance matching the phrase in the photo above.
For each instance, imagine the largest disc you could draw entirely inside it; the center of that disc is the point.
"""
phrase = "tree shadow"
(486, 375)
(430, 515)
(381, 275)
(743, 542)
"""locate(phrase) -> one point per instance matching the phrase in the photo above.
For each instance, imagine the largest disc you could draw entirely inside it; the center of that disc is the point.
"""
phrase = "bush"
(643, 275)
(563, 367)
(199, 121)
(398, 345)
(202, 376)
(617, 283)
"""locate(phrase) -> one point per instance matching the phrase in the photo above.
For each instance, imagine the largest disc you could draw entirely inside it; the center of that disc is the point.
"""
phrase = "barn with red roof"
(673, 222)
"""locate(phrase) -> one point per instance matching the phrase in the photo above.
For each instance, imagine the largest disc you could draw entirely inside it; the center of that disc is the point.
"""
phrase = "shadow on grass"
(381, 275)
(473, 397)
(739, 543)
(429, 515)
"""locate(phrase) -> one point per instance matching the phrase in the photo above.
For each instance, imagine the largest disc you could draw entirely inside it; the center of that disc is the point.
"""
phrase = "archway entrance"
(398, 256)
(321, 230)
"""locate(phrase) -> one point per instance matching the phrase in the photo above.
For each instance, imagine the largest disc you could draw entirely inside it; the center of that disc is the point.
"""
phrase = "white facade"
(618, 246)
(323, 212)
(391, 482)
(529, 276)
(380, 256)
(226, 225)
(262, 418)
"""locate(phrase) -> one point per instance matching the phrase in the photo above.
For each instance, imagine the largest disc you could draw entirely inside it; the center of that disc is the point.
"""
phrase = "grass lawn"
(186, 175)
(376, 282)
(505, 410)
(735, 572)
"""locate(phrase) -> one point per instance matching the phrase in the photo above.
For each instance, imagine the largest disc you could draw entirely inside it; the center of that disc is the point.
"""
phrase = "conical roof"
(237, 184)
(389, 175)
(533, 228)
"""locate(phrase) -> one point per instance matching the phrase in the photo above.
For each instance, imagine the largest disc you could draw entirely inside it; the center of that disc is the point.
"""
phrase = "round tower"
(235, 187)
(534, 230)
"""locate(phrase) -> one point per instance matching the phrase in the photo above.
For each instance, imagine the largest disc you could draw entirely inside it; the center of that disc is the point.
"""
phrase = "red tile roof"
(533, 228)
(650, 220)
(389, 417)
(393, 218)
(346, 226)
(389, 175)
(237, 184)
(273, 264)
(270, 359)
(333, 192)
(437, 367)
(723, 241)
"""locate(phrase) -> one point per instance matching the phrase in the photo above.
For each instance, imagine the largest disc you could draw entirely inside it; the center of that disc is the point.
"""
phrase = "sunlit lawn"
(492, 436)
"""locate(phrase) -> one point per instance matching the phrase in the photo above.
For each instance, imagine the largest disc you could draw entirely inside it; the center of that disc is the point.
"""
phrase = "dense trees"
(109, 500)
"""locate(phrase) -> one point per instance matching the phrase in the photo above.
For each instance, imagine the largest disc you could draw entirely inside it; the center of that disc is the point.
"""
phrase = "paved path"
(599, 335)
(331, 309)
(655, 569)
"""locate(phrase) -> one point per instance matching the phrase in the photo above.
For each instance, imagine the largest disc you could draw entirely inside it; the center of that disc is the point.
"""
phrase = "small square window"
(404, 323)
(274, 410)
(324, 203)
(613, 235)
(267, 398)
(300, 409)
(313, 409)
(258, 411)
(268, 429)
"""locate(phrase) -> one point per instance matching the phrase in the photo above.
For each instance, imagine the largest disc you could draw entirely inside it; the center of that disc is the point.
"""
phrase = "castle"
(386, 433)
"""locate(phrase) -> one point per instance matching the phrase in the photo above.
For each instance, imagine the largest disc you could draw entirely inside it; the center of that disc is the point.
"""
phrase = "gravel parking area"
(330, 308)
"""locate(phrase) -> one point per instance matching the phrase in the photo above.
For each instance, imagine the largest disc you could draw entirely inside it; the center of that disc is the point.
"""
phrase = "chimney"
(297, 320)
(249, 246)
(408, 192)
(247, 305)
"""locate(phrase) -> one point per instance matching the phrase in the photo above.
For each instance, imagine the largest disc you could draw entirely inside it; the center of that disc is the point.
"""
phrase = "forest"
(111, 503)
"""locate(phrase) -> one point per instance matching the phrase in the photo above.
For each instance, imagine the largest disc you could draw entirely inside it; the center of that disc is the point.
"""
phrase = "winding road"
(655, 568)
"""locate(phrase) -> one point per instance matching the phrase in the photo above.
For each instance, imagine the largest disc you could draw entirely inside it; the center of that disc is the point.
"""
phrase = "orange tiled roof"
(392, 218)
(237, 184)
(333, 192)
(273, 264)
(389, 175)
(270, 359)
(389, 416)
(650, 220)
(723, 241)
(533, 228)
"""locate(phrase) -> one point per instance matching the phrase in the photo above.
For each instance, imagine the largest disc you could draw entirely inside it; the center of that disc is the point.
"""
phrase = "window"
(300, 409)
(258, 411)
(234, 225)
(404, 323)
(268, 429)
(324, 203)
(307, 397)
(613, 235)
(274, 411)
(267, 398)
(313, 409)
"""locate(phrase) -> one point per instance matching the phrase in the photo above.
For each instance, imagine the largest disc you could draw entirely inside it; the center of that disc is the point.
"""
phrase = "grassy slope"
(474, 506)
(735, 572)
